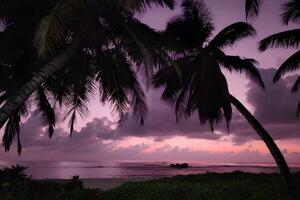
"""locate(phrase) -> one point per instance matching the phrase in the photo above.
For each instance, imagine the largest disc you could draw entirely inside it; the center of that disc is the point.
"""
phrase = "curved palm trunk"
(12, 104)
(268, 140)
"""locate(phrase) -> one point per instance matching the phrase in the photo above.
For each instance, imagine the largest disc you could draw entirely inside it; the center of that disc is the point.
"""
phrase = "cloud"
(276, 104)
(99, 139)
(161, 123)
(275, 107)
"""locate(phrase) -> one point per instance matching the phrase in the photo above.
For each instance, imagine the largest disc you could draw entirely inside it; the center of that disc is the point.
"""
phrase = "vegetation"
(287, 39)
(198, 85)
(15, 185)
(252, 8)
(65, 50)
(210, 186)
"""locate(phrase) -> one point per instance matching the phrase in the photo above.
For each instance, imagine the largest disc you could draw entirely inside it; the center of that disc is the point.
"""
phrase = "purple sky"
(97, 138)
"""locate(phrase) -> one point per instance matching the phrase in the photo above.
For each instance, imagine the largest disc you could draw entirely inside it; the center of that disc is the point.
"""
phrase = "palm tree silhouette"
(252, 8)
(196, 83)
(63, 49)
(287, 39)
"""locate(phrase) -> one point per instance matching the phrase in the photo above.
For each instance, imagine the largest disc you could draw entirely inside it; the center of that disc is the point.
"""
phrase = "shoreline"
(104, 184)
(107, 184)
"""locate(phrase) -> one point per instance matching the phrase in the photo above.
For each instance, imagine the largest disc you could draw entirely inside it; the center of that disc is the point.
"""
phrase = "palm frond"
(192, 8)
(193, 27)
(197, 11)
(138, 103)
(111, 83)
(247, 66)
(147, 58)
(175, 92)
(200, 90)
(181, 102)
(11, 131)
(207, 95)
(46, 110)
(53, 28)
(298, 110)
(167, 77)
(296, 85)
(284, 39)
(291, 64)
(128, 82)
(142, 5)
(78, 100)
(291, 12)
(173, 78)
(252, 8)
(72, 86)
(3, 97)
(145, 47)
(231, 34)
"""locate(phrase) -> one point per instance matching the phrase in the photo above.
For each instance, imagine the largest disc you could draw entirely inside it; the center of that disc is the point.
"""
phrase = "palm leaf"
(207, 93)
(71, 87)
(247, 66)
(126, 78)
(291, 64)
(138, 102)
(193, 27)
(11, 131)
(52, 30)
(232, 34)
(298, 110)
(3, 97)
(147, 57)
(142, 5)
(196, 10)
(296, 85)
(78, 99)
(48, 114)
(291, 12)
(111, 82)
(167, 77)
(252, 8)
(284, 39)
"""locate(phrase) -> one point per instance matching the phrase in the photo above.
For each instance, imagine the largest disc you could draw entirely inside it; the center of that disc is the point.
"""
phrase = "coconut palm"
(198, 85)
(287, 39)
(67, 48)
(252, 8)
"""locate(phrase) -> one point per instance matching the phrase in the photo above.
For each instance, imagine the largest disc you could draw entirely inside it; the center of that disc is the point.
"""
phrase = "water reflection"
(65, 170)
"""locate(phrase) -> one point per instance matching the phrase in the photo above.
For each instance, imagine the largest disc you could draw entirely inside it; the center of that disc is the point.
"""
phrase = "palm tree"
(68, 47)
(197, 84)
(252, 8)
(287, 39)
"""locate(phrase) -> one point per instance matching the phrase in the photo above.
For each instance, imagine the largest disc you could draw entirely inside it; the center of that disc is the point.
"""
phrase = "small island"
(179, 166)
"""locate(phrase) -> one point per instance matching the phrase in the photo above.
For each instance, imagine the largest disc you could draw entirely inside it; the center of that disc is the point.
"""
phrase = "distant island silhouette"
(179, 166)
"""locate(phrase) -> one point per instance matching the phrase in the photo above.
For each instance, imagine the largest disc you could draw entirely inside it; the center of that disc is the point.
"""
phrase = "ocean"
(128, 169)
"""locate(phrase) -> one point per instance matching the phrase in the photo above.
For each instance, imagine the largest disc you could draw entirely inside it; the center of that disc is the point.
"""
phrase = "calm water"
(65, 170)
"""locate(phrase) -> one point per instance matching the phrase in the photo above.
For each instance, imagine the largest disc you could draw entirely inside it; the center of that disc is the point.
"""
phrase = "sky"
(97, 137)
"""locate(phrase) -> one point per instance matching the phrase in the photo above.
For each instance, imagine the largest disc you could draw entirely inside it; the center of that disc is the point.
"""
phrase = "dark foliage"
(252, 8)
(195, 83)
(291, 12)
(286, 39)
(114, 46)
(15, 185)
(209, 186)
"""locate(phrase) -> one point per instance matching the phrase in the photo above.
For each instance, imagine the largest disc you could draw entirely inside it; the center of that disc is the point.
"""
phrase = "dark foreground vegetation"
(210, 186)
(15, 185)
